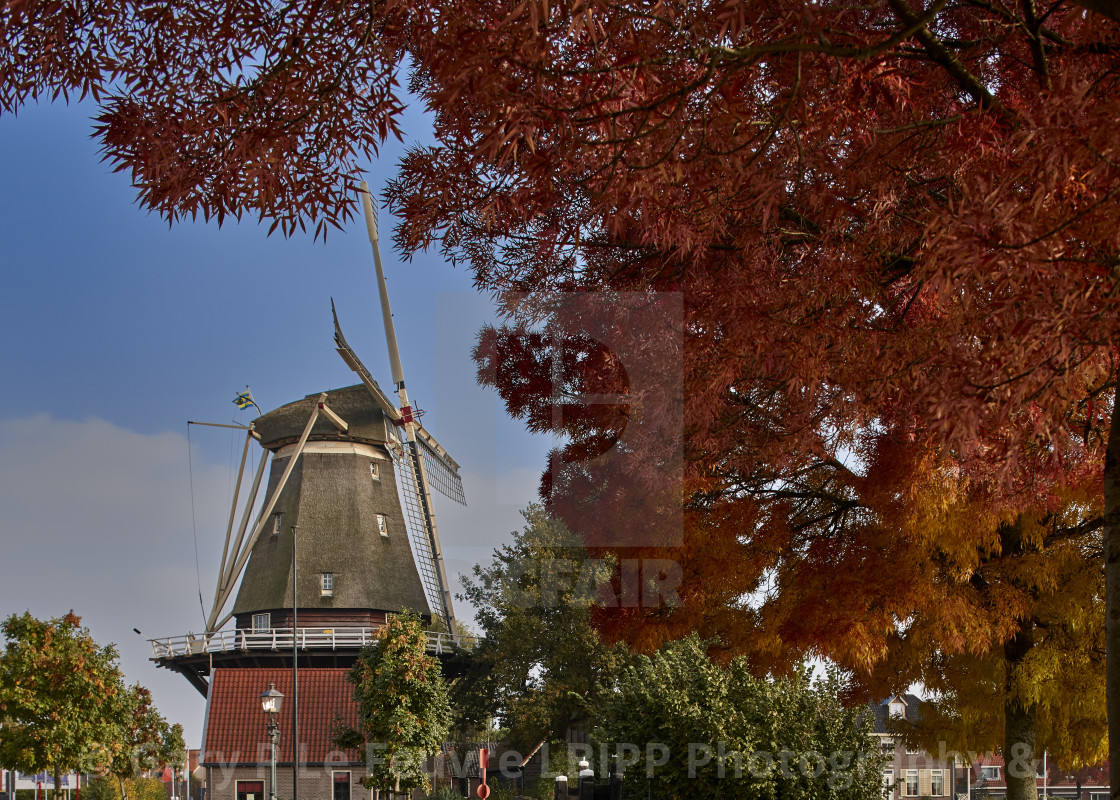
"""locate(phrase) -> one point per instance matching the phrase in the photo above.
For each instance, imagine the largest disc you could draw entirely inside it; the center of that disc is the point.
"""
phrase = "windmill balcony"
(280, 639)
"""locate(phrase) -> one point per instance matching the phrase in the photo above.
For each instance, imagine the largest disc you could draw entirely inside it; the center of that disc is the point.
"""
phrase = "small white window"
(262, 622)
(936, 783)
(326, 583)
(888, 748)
(373, 473)
(382, 525)
(277, 522)
(897, 709)
(911, 750)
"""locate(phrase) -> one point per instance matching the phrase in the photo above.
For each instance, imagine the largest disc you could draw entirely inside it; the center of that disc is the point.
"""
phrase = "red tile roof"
(235, 724)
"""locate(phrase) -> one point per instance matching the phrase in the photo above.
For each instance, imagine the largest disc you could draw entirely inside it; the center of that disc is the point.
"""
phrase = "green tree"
(711, 730)
(60, 698)
(106, 788)
(538, 654)
(404, 711)
(149, 741)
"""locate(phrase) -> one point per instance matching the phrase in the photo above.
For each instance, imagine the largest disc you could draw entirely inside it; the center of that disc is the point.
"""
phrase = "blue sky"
(116, 330)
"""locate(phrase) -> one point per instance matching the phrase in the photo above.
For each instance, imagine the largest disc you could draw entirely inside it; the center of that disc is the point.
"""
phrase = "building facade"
(910, 772)
(914, 773)
(235, 746)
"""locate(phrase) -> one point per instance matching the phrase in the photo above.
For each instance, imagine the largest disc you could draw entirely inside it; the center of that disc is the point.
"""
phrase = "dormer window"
(897, 709)
(326, 584)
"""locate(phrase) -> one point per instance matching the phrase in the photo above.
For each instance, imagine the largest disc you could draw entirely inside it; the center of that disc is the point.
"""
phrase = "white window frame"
(897, 709)
(888, 747)
(266, 618)
(985, 767)
(939, 774)
(383, 525)
(349, 780)
(906, 785)
(237, 790)
(911, 750)
(374, 471)
(326, 584)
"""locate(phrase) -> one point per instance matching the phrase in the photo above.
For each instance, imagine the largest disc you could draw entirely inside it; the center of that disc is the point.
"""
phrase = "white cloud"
(98, 518)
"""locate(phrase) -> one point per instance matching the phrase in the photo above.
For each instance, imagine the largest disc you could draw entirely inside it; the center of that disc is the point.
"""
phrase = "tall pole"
(295, 669)
(273, 741)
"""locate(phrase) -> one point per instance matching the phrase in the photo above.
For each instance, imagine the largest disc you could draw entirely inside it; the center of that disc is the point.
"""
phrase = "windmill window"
(382, 525)
(326, 584)
(262, 622)
(373, 473)
(277, 521)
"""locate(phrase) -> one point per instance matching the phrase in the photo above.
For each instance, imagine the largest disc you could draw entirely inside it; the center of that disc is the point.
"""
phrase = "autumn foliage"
(884, 402)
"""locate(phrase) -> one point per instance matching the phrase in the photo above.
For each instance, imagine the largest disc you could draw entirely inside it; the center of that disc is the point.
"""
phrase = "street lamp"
(271, 702)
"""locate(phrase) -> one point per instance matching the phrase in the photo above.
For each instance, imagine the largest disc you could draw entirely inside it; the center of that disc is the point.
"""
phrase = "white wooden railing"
(280, 639)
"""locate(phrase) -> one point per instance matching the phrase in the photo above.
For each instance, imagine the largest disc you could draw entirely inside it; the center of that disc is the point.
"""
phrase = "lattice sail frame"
(442, 476)
(416, 520)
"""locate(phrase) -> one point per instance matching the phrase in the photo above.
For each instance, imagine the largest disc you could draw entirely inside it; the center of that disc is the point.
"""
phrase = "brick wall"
(316, 782)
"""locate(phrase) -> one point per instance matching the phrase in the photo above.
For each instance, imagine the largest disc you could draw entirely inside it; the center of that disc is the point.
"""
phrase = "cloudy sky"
(116, 330)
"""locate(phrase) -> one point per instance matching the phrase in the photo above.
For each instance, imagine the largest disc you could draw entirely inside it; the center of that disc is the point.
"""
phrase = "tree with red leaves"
(893, 229)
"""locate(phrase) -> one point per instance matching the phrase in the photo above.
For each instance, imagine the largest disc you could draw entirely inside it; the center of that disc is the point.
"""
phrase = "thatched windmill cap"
(354, 404)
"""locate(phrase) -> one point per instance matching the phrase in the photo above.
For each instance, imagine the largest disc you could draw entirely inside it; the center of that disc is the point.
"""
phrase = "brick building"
(915, 773)
(235, 749)
(910, 772)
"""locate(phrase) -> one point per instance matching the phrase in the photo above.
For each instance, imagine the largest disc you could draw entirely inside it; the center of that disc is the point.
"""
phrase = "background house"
(913, 772)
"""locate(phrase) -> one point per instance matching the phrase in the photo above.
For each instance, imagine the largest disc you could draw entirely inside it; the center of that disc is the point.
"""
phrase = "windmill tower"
(346, 534)
(344, 537)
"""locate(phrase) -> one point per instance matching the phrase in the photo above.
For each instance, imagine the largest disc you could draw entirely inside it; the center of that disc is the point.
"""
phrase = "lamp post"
(271, 702)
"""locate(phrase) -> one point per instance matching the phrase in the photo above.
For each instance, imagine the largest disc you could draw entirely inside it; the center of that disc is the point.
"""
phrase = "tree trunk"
(1112, 596)
(1019, 731)
(1019, 756)
(57, 784)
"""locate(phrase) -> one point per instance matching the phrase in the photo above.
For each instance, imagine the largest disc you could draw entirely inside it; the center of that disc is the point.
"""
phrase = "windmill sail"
(418, 519)
(425, 463)
(443, 472)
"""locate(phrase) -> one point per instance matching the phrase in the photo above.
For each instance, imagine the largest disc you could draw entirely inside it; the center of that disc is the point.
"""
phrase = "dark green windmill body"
(341, 514)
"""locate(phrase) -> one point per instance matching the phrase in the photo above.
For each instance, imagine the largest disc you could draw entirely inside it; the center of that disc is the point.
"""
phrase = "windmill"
(346, 534)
